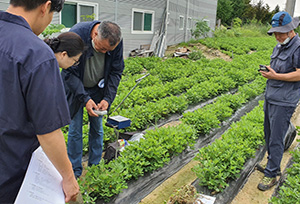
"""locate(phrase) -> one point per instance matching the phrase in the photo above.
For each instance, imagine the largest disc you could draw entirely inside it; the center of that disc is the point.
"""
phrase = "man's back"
(27, 68)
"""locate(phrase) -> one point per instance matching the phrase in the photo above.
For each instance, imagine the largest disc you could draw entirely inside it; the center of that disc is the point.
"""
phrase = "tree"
(277, 9)
(249, 14)
(228, 10)
(239, 7)
(224, 11)
(261, 11)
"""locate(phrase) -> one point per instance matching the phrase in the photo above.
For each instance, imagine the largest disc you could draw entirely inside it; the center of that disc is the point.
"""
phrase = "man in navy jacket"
(92, 84)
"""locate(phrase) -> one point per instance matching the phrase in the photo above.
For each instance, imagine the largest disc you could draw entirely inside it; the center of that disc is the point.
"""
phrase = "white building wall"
(120, 11)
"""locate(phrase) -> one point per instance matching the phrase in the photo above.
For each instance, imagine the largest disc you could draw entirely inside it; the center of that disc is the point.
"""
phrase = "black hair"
(69, 42)
(29, 5)
(111, 31)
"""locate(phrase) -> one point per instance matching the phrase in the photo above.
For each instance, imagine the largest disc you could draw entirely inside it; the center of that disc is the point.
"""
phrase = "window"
(181, 22)
(75, 12)
(142, 21)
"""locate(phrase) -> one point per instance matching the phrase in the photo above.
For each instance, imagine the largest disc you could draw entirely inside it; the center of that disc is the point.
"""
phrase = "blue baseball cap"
(282, 22)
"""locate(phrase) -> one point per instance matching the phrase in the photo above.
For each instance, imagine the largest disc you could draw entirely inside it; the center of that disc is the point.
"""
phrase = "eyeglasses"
(76, 63)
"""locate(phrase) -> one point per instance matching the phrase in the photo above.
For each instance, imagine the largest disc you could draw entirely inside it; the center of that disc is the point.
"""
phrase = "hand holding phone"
(263, 68)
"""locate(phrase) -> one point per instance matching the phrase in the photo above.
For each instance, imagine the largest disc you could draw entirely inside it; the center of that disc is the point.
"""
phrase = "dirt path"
(165, 190)
(209, 53)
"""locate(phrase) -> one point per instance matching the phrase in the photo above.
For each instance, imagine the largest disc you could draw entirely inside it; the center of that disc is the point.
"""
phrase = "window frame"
(179, 26)
(78, 4)
(152, 21)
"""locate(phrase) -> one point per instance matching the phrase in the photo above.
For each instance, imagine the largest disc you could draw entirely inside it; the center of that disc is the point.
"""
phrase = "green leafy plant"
(88, 17)
(196, 55)
(237, 22)
(106, 180)
(102, 181)
(289, 192)
(132, 67)
(222, 161)
(201, 29)
(52, 28)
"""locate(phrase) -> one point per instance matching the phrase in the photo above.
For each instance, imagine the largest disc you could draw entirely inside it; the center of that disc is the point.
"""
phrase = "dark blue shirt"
(32, 99)
(284, 59)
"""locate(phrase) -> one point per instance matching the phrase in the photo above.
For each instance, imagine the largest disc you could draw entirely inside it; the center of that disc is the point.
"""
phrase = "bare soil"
(162, 193)
(209, 53)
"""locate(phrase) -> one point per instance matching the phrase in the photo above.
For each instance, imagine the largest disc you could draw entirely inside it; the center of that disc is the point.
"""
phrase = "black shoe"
(77, 177)
(262, 169)
(266, 183)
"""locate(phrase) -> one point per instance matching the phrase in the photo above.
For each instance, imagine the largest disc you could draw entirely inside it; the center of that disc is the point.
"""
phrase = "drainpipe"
(167, 16)
(163, 42)
(116, 11)
(186, 21)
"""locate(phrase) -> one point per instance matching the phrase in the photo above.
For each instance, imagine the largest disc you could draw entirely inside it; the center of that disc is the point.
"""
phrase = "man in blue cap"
(282, 92)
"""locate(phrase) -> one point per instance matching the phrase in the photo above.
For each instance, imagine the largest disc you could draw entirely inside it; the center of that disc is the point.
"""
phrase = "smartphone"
(263, 68)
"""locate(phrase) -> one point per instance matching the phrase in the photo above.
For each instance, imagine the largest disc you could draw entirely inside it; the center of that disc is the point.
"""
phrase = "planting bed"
(138, 189)
(206, 96)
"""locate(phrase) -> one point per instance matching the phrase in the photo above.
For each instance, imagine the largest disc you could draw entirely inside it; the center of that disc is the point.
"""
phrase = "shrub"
(201, 29)
(52, 28)
(237, 22)
(196, 55)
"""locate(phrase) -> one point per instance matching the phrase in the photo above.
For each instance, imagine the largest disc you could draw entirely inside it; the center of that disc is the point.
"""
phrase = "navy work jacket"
(284, 59)
(77, 94)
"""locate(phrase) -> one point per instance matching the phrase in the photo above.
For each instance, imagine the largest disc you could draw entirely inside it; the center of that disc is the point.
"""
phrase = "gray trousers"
(276, 123)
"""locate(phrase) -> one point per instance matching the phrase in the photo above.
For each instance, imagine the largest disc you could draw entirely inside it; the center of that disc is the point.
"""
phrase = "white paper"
(42, 183)
(205, 199)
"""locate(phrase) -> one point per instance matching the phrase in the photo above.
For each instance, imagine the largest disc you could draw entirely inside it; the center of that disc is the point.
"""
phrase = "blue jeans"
(276, 124)
(75, 141)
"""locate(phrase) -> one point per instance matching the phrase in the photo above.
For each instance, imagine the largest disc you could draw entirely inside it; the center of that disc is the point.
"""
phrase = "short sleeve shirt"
(32, 99)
